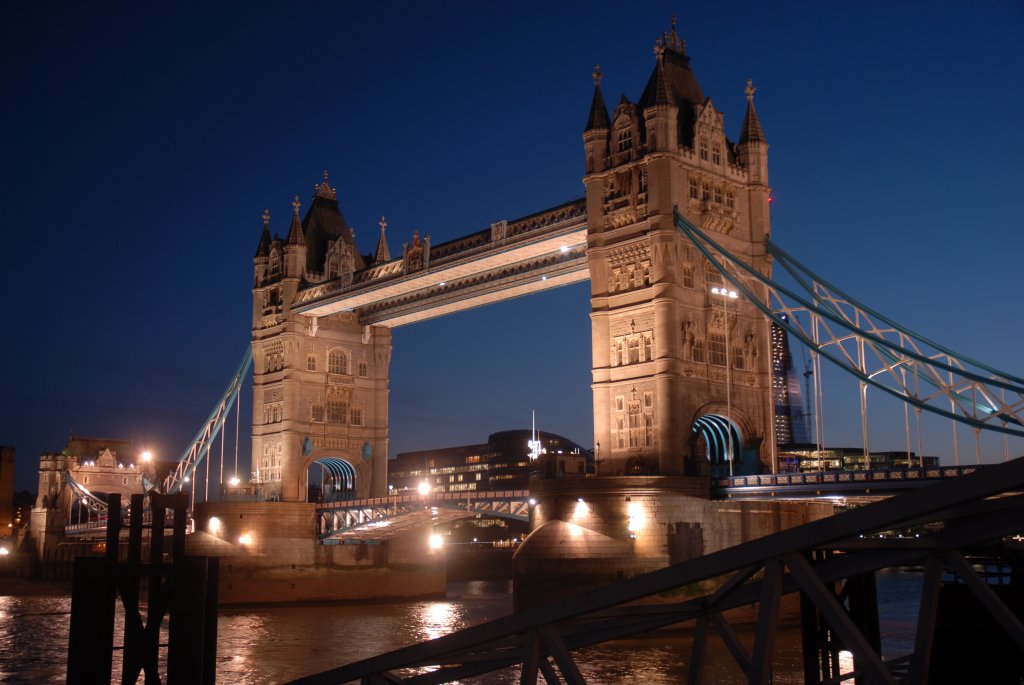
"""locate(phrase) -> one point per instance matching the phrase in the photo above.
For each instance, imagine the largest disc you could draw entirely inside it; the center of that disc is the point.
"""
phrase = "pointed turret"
(751, 124)
(598, 118)
(383, 254)
(295, 235)
(661, 114)
(263, 249)
(595, 136)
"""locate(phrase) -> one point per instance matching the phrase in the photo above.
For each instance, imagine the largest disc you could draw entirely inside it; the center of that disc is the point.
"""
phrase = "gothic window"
(647, 273)
(615, 279)
(711, 275)
(648, 400)
(616, 357)
(631, 278)
(337, 362)
(737, 357)
(357, 416)
(317, 413)
(620, 403)
(730, 200)
(643, 178)
(648, 348)
(364, 370)
(337, 411)
(716, 154)
(693, 189)
(278, 411)
(311, 362)
(648, 430)
(716, 349)
(718, 194)
(625, 139)
(698, 350)
(688, 276)
(705, 191)
(634, 351)
(275, 265)
(704, 149)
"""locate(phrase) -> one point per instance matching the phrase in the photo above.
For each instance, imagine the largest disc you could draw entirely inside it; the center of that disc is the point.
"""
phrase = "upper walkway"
(538, 252)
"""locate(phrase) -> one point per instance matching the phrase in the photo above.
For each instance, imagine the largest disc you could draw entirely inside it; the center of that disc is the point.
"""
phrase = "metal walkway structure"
(383, 517)
(812, 559)
(876, 350)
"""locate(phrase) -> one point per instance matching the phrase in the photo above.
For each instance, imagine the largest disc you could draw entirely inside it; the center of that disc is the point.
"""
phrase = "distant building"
(796, 457)
(502, 463)
(6, 490)
(790, 417)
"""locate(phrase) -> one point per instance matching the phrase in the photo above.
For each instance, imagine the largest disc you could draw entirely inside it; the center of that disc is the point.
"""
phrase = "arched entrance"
(715, 442)
(331, 479)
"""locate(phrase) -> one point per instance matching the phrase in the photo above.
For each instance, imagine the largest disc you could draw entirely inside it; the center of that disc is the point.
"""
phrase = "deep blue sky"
(141, 142)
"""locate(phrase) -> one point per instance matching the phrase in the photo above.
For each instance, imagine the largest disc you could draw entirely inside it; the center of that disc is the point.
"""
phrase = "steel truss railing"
(873, 348)
(199, 448)
(334, 518)
(974, 509)
(85, 498)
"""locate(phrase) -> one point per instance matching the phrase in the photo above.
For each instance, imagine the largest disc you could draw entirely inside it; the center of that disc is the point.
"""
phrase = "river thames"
(264, 645)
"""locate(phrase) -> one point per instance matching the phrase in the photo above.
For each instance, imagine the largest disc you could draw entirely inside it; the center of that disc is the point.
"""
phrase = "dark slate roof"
(598, 112)
(263, 249)
(323, 223)
(295, 235)
(673, 78)
(751, 130)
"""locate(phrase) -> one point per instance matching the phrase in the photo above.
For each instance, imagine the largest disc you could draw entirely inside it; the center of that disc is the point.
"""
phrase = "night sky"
(142, 141)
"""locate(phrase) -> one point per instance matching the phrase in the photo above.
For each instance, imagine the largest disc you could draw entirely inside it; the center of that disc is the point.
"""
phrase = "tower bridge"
(673, 234)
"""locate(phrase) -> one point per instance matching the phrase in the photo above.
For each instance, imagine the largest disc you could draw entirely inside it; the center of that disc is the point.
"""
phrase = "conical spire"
(383, 253)
(295, 236)
(751, 130)
(660, 92)
(263, 249)
(598, 118)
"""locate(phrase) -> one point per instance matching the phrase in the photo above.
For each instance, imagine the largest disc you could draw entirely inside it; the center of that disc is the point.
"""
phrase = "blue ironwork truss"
(200, 445)
(871, 347)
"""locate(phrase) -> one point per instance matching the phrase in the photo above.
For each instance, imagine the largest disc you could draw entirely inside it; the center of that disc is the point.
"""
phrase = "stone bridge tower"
(320, 388)
(661, 339)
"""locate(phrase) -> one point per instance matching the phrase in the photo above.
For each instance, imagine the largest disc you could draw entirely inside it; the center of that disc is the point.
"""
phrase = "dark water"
(272, 645)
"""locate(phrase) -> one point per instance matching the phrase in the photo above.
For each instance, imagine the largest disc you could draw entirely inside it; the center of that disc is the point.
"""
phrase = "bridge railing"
(413, 498)
(835, 476)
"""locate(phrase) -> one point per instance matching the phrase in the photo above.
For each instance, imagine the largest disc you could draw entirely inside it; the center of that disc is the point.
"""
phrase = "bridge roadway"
(369, 520)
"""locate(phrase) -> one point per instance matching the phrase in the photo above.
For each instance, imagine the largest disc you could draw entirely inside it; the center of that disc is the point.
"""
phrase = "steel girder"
(871, 347)
(201, 443)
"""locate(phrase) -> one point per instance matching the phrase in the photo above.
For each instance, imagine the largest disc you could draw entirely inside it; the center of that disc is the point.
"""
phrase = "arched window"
(337, 362)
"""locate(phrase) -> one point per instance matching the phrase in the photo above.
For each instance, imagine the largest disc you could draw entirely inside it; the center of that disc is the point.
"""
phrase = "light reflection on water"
(265, 645)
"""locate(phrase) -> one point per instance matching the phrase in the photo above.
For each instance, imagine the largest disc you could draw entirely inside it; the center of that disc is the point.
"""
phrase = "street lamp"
(726, 296)
(597, 458)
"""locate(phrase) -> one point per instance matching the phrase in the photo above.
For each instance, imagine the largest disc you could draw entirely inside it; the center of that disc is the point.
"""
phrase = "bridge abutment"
(270, 553)
(589, 533)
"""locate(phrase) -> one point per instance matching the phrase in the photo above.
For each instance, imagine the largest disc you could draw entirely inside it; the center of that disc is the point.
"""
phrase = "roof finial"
(659, 49)
(750, 90)
(325, 190)
(672, 41)
(296, 204)
(383, 223)
(266, 219)
(597, 75)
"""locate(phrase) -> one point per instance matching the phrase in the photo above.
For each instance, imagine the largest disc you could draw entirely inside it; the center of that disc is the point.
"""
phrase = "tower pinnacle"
(383, 253)
(295, 236)
(751, 130)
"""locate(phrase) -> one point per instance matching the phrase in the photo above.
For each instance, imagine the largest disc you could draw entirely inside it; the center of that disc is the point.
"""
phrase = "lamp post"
(726, 296)
(597, 458)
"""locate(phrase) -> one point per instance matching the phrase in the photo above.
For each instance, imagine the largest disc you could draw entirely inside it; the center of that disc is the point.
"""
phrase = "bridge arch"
(714, 438)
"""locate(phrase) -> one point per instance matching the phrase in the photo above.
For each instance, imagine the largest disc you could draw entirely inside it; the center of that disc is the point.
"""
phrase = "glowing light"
(533, 502)
(442, 284)
(581, 508)
(234, 480)
(245, 539)
(543, 278)
(146, 456)
(637, 517)
(214, 525)
(185, 479)
(436, 541)
(4, 552)
(423, 488)
(563, 249)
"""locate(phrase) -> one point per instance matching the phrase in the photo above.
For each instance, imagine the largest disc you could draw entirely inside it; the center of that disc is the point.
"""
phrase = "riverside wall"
(282, 560)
